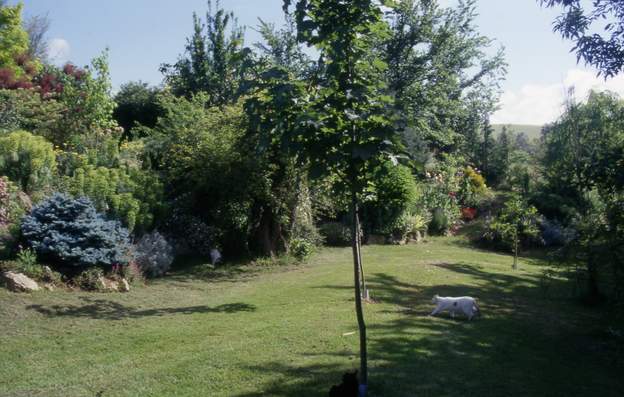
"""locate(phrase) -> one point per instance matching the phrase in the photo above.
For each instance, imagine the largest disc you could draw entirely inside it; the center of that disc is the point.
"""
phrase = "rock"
(18, 282)
(48, 286)
(125, 286)
(105, 284)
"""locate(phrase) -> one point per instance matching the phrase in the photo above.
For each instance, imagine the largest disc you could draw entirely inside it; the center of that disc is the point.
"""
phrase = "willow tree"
(346, 128)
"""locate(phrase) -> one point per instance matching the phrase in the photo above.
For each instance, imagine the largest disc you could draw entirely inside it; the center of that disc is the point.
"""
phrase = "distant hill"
(532, 131)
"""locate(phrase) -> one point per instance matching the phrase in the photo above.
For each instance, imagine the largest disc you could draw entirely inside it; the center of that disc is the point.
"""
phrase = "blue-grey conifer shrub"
(70, 231)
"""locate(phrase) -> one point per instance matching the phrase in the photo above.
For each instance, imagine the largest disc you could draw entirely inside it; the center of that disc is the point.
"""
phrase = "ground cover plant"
(289, 331)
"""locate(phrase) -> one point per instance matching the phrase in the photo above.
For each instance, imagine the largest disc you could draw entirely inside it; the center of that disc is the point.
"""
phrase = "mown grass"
(280, 332)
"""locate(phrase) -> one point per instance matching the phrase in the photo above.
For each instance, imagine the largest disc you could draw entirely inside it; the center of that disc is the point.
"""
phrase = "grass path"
(280, 333)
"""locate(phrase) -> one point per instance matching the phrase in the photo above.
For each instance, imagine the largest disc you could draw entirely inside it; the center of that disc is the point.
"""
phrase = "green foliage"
(137, 104)
(215, 61)
(26, 110)
(199, 153)
(27, 160)
(300, 248)
(280, 48)
(516, 222)
(130, 195)
(392, 195)
(582, 23)
(335, 233)
(13, 37)
(89, 279)
(584, 183)
(439, 221)
(27, 263)
(472, 188)
(445, 79)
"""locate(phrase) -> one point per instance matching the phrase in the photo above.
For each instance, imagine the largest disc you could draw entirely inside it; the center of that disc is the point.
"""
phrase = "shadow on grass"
(526, 344)
(103, 309)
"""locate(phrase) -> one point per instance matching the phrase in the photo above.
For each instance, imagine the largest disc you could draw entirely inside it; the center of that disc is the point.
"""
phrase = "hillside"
(532, 131)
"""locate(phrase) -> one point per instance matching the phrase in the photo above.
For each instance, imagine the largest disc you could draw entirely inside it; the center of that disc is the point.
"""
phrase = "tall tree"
(37, 27)
(346, 128)
(444, 79)
(215, 61)
(583, 163)
(582, 21)
(486, 147)
(281, 48)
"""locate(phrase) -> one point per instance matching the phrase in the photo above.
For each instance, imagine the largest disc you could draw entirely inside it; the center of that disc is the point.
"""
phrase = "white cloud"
(543, 103)
(59, 50)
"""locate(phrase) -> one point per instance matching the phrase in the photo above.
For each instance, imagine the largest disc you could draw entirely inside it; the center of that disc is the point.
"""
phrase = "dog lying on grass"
(464, 304)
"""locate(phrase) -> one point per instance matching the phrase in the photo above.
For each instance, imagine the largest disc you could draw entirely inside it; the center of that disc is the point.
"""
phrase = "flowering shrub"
(132, 196)
(472, 187)
(153, 254)
(70, 231)
(468, 213)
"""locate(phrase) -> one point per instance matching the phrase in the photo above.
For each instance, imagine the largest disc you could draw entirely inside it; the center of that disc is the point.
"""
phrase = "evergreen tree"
(215, 61)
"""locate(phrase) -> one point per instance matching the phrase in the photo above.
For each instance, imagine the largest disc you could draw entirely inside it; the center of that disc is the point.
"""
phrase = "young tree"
(580, 22)
(516, 219)
(346, 128)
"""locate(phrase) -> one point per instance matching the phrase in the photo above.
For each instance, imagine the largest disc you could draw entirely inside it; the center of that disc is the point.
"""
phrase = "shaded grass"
(252, 331)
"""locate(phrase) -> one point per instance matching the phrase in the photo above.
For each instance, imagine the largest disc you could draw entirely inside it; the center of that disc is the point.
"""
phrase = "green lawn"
(279, 332)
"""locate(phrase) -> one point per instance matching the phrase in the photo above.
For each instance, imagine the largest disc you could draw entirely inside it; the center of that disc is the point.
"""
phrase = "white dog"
(464, 304)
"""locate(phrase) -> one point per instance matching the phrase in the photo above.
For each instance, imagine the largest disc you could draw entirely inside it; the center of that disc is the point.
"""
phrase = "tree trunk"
(363, 291)
(515, 261)
(357, 266)
(593, 292)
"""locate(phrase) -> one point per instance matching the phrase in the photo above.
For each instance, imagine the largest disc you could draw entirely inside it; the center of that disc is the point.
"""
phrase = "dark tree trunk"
(593, 292)
(357, 266)
(268, 239)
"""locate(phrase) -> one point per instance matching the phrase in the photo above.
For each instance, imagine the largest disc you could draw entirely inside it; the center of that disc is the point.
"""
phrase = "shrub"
(132, 272)
(300, 248)
(70, 231)
(335, 233)
(395, 192)
(153, 254)
(132, 196)
(13, 204)
(439, 222)
(554, 234)
(190, 234)
(27, 160)
(90, 279)
(27, 263)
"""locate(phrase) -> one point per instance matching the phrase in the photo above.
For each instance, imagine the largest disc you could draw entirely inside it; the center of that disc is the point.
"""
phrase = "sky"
(143, 34)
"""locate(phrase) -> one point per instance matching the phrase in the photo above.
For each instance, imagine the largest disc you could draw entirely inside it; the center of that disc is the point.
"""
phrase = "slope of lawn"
(281, 332)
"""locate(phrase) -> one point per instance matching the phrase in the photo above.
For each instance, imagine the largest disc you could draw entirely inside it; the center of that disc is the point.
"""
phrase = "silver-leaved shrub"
(153, 254)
